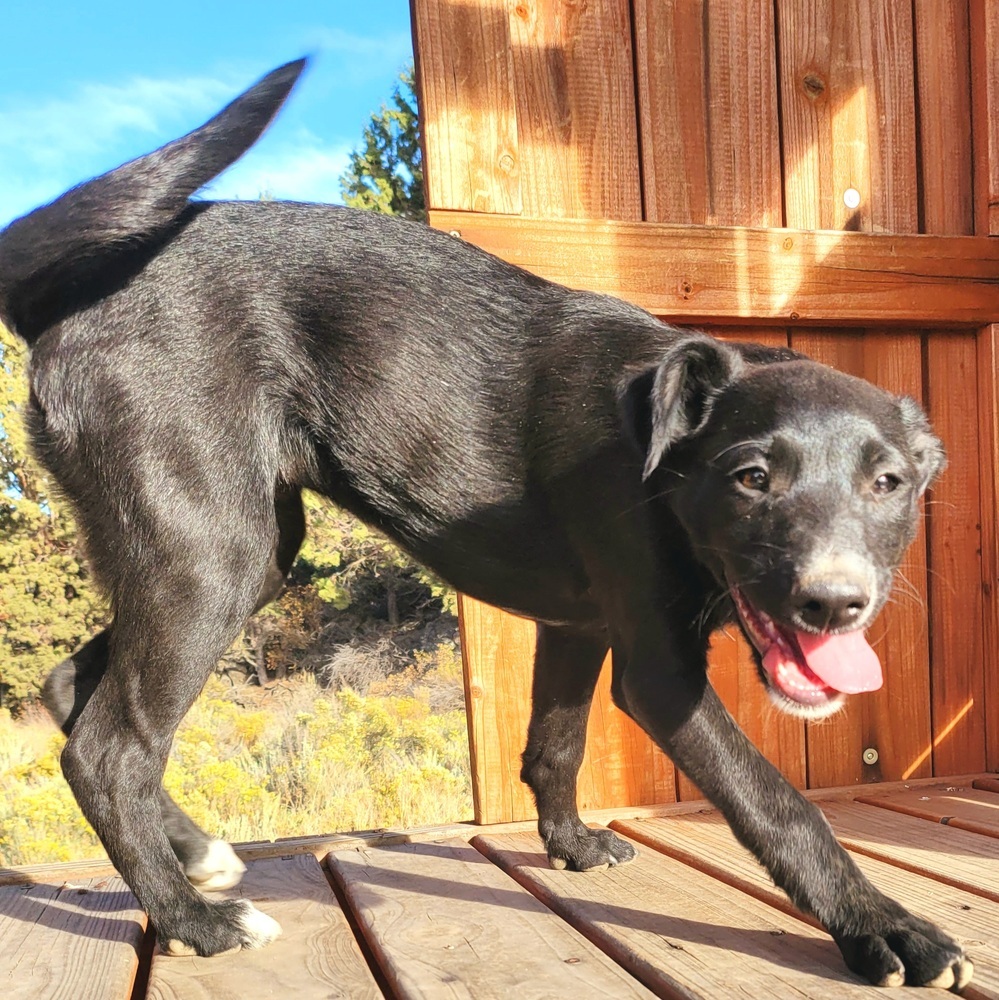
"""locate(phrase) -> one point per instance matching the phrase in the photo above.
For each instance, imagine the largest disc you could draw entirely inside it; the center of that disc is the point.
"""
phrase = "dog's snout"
(831, 602)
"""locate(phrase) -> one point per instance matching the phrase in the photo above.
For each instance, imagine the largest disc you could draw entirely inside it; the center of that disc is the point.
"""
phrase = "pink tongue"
(844, 662)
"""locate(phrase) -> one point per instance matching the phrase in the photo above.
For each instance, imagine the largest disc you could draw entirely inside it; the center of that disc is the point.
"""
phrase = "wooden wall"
(592, 140)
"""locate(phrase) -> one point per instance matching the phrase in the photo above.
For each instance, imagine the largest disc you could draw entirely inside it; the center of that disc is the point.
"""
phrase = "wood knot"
(507, 163)
(814, 86)
(522, 11)
(685, 288)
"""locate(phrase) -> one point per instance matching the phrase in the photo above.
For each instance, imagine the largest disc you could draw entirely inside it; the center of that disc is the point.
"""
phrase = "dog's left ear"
(926, 448)
(674, 401)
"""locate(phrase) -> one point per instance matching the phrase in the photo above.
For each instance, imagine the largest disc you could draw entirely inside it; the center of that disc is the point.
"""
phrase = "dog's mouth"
(809, 670)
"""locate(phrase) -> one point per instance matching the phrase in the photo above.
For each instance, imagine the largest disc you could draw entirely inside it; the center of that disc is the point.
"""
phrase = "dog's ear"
(926, 448)
(674, 400)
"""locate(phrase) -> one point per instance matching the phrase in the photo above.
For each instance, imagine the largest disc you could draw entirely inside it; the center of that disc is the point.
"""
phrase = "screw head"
(870, 756)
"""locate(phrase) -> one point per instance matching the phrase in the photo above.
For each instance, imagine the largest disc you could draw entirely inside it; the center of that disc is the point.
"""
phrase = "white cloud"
(48, 146)
(363, 57)
(300, 170)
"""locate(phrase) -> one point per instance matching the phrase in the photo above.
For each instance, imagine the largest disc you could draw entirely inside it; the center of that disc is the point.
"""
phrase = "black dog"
(564, 455)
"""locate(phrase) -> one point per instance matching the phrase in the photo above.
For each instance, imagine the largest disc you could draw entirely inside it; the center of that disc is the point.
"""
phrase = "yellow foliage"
(297, 761)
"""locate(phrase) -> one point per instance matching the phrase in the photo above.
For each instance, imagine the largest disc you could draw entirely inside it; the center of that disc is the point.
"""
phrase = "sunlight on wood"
(938, 739)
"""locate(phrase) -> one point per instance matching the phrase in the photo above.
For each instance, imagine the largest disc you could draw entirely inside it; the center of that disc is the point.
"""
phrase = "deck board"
(683, 932)
(443, 922)
(969, 809)
(957, 857)
(316, 956)
(707, 842)
(75, 940)
(465, 911)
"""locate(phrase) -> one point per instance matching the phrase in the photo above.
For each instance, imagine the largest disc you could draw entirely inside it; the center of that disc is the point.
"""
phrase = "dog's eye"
(886, 483)
(754, 478)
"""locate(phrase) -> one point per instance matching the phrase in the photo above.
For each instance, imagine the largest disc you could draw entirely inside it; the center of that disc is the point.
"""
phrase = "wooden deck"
(468, 911)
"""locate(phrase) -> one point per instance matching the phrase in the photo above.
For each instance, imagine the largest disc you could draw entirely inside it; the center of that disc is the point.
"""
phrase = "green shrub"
(253, 764)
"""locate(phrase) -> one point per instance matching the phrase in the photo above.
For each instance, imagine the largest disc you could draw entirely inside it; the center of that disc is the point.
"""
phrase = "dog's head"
(798, 489)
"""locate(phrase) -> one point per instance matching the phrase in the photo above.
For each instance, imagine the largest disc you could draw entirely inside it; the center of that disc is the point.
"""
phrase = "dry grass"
(255, 764)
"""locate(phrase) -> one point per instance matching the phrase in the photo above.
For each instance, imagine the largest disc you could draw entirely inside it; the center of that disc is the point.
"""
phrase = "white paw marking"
(178, 948)
(896, 978)
(944, 981)
(220, 868)
(258, 928)
(964, 974)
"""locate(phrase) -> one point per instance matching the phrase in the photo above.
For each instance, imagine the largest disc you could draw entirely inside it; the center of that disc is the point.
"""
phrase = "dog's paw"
(911, 952)
(586, 850)
(220, 868)
(224, 927)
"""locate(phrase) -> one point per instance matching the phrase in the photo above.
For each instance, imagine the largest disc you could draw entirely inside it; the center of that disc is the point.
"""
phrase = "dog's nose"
(831, 602)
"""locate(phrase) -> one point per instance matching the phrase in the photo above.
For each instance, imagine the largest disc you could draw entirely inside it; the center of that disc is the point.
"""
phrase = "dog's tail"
(47, 253)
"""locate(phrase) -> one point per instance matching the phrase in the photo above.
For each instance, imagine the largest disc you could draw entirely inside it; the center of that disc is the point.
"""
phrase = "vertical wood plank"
(733, 671)
(621, 765)
(984, 18)
(707, 88)
(467, 108)
(847, 113)
(707, 84)
(953, 508)
(895, 721)
(576, 116)
(988, 409)
(556, 79)
(847, 87)
(498, 654)
(943, 52)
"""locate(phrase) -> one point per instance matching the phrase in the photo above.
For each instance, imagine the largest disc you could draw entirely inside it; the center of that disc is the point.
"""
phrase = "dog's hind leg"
(566, 667)
(208, 862)
(188, 570)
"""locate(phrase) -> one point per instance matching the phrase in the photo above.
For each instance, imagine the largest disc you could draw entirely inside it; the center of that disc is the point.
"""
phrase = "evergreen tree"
(386, 174)
(48, 604)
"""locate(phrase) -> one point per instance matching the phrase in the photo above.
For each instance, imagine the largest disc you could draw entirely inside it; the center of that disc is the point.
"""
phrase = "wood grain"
(711, 274)
(468, 113)
(960, 808)
(708, 843)
(74, 941)
(984, 31)
(987, 385)
(621, 765)
(316, 954)
(953, 510)
(707, 89)
(576, 117)
(894, 721)
(849, 123)
(443, 922)
(684, 933)
(846, 70)
(945, 853)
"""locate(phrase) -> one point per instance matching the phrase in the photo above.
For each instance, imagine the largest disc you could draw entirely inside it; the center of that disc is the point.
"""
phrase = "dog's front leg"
(879, 939)
(566, 667)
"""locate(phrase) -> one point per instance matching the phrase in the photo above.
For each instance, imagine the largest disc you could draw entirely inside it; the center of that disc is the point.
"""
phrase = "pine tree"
(386, 174)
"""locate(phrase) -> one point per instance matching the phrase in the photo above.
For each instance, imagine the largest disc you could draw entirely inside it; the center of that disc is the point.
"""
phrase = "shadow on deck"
(471, 911)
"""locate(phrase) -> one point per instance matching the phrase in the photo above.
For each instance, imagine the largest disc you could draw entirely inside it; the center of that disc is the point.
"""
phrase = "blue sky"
(86, 86)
